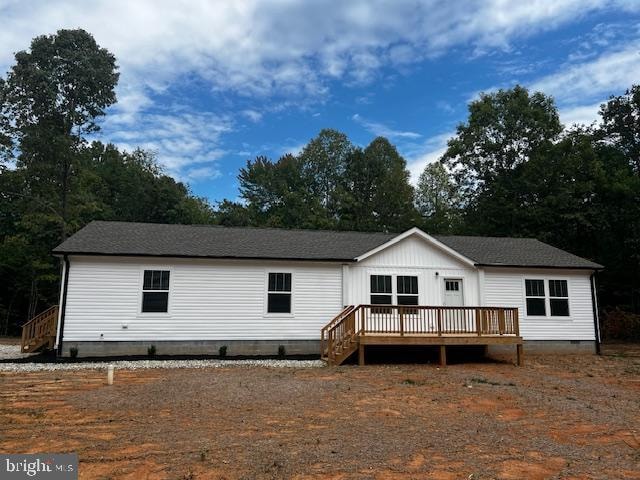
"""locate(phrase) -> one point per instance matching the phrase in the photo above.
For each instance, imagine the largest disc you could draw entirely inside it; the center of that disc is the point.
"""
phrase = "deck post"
(361, 354)
(443, 355)
(439, 322)
(401, 311)
(519, 355)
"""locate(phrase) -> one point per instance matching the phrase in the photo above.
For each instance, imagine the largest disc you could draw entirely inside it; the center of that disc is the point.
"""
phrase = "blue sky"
(208, 85)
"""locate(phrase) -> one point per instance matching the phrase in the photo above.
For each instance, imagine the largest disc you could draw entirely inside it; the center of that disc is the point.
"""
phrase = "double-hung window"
(381, 292)
(407, 290)
(541, 300)
(279, 293)
(536, 303)
(155, 291)
(558, 298)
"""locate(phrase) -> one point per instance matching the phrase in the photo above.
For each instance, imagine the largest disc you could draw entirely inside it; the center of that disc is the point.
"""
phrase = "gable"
(414, 251)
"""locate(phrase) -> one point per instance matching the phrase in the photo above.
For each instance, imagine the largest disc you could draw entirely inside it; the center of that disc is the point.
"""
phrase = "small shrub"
(151, 351)
(409, 381)
(618, 324)
(282, 351)
(73, 351)
(222, 351)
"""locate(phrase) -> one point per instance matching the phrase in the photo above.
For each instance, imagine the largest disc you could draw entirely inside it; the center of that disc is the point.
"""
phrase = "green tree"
(323, 161)
(375, 193)
(621, 124)
(54, 95)
(503, 131)
(437, 199)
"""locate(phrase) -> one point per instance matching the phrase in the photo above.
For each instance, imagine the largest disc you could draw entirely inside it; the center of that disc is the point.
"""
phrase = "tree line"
(511, 169)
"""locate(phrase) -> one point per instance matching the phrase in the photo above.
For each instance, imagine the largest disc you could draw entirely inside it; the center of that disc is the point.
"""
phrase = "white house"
(191, 289)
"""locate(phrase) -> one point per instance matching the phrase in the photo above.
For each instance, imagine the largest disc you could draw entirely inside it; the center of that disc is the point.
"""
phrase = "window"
(535, 298)
(407, 292)
(155, 291)
(558, 298)
(381, 293)
(279, 293)
(452, 285)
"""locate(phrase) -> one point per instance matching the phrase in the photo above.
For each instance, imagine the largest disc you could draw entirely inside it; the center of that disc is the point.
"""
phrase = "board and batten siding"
(506, 288)
(208, 300)
(413, 256)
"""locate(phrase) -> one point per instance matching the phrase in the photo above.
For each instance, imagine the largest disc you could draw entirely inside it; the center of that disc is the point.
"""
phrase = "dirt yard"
(558, 417)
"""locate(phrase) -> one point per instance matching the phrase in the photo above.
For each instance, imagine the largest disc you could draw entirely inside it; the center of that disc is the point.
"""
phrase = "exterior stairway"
(40, 332)
(339, 338)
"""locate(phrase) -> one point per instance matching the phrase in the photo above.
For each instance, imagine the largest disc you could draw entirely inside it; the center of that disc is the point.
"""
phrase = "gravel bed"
(147, 364)
(9, 352)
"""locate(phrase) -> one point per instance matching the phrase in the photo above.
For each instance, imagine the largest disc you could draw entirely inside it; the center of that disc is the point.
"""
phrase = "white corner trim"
(428, 238)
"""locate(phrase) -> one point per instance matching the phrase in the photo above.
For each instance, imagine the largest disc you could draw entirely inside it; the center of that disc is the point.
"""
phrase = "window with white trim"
(407, 290)
(279, 293)
(381, 291)
(535, 295)
(155, 291)
(558, 298)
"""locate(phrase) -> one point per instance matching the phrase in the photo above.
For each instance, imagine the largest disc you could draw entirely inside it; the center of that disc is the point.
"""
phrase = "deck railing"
(426, 320)
(40, 330)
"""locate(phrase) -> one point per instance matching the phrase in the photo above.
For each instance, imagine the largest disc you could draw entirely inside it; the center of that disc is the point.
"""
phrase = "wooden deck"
(358, 326)
(40, 332)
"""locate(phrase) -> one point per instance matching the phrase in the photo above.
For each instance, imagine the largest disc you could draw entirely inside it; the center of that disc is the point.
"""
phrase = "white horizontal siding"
(417, 257)
(505, 288)
(208, 300)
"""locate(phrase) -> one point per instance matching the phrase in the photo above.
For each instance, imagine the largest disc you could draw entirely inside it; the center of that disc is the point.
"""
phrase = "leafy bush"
(282, 352)
(73, 351)
(151, 351)
(618, 324)
(222, 351)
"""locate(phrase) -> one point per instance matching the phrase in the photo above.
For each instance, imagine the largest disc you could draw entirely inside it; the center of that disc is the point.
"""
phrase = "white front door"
(453, 292)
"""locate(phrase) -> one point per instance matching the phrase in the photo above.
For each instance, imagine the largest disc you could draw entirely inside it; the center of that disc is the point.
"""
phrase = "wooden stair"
(339, 339)
(39, 333)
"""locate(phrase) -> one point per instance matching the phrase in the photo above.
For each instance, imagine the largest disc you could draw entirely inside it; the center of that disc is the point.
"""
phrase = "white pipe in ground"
(110, 375)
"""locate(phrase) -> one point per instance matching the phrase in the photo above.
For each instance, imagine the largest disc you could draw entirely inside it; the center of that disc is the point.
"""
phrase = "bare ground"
(558, 417)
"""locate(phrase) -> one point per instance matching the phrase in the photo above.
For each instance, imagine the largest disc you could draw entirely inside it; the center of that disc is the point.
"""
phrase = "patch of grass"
(409, 381)
(485, 381)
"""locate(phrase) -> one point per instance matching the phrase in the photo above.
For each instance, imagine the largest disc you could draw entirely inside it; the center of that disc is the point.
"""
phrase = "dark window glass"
(407, 285)
(381, 300)
(559, 307)
(558, 288)
(279, 282)
(279, 303)
(536, 307)
(407, 300)
(156, 280)
(452, 285)
(534, 288)
(380, 283)
(155, 301)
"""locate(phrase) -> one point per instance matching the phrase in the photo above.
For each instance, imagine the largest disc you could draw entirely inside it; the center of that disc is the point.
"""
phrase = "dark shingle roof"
(514, 252)
(149, 239)
(152, 239)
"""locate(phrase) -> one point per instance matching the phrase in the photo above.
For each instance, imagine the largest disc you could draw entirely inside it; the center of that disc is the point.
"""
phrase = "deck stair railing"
(40, 332)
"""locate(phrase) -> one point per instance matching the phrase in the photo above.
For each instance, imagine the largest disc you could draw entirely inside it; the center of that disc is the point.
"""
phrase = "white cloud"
(179, 137)
(380, 130)
(252, 115)
(612, 72)
(419, 156)
(583, 114)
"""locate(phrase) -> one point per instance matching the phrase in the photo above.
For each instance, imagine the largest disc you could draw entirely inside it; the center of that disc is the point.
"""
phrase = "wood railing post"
(479, 321)
(439, 322)
(501, 321)
(516, 322)
(401, 313)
